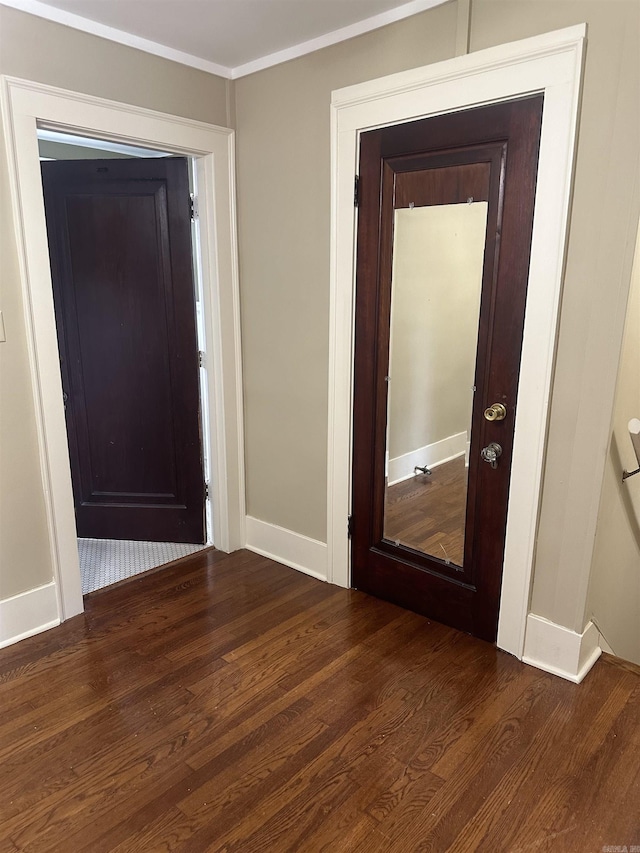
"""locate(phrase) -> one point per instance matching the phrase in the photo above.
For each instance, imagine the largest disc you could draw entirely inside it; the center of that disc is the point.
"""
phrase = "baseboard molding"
(559, 650)
(431, 455)
(292, 549)
(28, 613)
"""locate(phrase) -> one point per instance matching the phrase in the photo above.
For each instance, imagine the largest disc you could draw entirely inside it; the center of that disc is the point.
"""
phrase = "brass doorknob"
(497, 412)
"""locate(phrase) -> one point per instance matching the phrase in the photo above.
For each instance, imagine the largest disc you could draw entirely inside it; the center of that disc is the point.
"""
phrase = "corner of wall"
(230, 92)
(560, 651)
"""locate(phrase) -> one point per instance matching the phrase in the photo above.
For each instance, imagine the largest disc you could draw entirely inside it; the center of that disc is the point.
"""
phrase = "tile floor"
(106, 561)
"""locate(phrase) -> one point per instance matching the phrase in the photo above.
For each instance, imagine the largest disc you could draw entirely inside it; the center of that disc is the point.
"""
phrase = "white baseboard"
(559, 650)
(292, 549)
(431, 455)
(28, 613)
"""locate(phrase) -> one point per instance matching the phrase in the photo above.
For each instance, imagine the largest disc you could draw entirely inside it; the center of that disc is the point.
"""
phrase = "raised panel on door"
(120, 247)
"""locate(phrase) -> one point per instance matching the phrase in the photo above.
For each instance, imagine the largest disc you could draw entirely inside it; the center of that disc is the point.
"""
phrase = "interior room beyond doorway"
(104, 561)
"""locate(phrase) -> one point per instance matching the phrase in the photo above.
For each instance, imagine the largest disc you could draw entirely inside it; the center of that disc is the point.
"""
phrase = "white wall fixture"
(26, 106)
(550, 64)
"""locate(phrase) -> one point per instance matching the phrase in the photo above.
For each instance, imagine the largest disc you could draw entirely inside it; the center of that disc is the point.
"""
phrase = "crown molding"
(343, 34)
(79, 22)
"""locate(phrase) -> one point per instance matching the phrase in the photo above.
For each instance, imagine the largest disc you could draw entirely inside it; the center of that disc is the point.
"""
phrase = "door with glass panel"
(444, 232)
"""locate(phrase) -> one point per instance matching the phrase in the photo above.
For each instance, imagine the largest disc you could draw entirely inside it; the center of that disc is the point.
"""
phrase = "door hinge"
(350, 526)
(206, 491)
(201, 358)
(356, 191)
(193, 206)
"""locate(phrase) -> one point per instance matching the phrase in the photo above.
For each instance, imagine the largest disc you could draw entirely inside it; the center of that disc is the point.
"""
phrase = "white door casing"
(27, 105)
(551, 64)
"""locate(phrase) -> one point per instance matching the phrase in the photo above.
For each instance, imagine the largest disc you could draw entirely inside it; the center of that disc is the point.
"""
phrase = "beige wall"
(40, 50)
(614, 594)
(24, 545)
(604, 214)
(283, 152)
(282, 117)
(435, 297)
(46, 52)
(283, 157)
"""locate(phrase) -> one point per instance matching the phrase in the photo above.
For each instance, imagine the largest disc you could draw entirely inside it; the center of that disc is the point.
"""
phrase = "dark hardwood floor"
(427, 512)
(230, 704)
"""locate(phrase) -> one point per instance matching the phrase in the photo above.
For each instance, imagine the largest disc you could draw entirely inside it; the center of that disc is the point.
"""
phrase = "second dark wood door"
(479, 164)
(120, 247)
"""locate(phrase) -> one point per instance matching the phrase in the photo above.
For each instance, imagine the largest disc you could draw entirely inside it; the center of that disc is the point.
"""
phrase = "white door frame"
(26, 104)
(551, 64)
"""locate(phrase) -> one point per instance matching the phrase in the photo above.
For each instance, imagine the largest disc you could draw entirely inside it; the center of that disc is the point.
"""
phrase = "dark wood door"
(120, 247)
(486, 155)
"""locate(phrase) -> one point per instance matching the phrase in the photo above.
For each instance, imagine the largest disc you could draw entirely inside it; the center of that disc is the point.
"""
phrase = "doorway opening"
(27, 106)
(549, 65)
(108, 368)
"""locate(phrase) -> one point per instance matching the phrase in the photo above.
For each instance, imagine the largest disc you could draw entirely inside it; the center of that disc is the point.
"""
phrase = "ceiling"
(229, 37)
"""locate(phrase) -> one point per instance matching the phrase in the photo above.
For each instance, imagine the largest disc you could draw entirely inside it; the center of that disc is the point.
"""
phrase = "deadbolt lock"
(497, 412)
(491, 454)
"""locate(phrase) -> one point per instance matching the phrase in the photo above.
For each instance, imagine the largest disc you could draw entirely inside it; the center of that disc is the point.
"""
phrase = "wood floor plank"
(298, 628)
(78, 827)
(496, 806)
(598, 811)
(232, 830)
(167, 833)
(230, 704)
(551, 786)
(151, 805)
(465, 729)
(84, 736)
(621, 825)
(380, 799)
(482, 768)
(472, 701)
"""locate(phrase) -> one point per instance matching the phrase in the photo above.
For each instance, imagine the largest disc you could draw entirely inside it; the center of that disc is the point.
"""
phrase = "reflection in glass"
(435, 304)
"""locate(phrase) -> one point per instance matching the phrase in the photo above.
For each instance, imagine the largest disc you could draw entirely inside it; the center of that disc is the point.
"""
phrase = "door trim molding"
(25, 104)
(552, 64)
